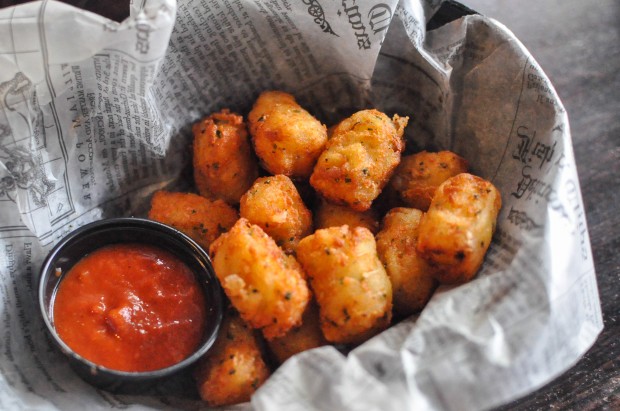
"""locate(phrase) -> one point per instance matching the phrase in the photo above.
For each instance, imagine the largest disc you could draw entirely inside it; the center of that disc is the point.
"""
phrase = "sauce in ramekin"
(130, 307)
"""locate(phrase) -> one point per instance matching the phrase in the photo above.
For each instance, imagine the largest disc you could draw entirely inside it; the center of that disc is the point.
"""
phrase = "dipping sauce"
(130, 307)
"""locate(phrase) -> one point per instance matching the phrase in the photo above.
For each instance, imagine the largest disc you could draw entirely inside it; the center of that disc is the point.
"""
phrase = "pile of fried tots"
(305, 254)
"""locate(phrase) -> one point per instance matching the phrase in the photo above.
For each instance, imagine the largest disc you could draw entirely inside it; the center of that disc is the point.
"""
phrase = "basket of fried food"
(304, 252)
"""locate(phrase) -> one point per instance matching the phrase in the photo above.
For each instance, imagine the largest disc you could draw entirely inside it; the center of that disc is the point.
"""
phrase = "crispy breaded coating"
(456, 232)
(234, 368)
(334, 215)
(349, 282)
(224, 164)
(200, 218)
(287, 139)
(274, 204)
(307, 336)
(359, 158)
(411, 276)
(266, 286)
(418, 176)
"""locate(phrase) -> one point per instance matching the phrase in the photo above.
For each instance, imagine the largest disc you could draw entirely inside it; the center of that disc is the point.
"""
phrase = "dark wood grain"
(117, 10)
(577, 43)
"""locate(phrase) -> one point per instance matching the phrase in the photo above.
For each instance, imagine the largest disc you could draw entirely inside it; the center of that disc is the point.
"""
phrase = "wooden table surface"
(577, 43)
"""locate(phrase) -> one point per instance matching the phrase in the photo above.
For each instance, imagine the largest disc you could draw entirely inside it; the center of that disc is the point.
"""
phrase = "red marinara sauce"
(130, 307)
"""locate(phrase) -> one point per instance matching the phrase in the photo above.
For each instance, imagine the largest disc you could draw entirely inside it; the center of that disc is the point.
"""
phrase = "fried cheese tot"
(287, 139)
(333, 215)
(203, 220)
(359, 158)
(418, 175)
(224, 164)
(274, 204)
(265, 285)
(411, 276)
(456, 232)
(234, 368)
(349, 282)
(305, 337)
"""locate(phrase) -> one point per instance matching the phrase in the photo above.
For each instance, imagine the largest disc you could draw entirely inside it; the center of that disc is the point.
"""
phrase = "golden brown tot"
(200, 218)
(287, 139)
(456, 232)
(412, 278)
(350, 285)
(334, 215)
(307, 336)
(418, 176)
(224, 165)
(359, 158)
(266, 286)
(274, 204)
(234, 368)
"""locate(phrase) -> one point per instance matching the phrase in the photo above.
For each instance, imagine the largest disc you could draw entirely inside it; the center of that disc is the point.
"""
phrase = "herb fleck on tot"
(347, 317)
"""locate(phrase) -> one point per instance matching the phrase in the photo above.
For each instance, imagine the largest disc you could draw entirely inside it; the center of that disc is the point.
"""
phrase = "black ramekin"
(93, 236)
